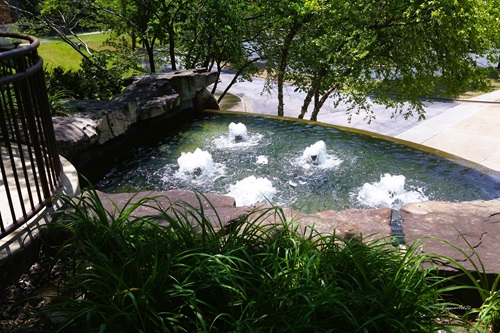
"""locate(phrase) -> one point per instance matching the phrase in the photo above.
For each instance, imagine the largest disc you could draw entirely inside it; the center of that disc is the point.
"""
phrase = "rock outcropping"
(155, 96)
(98, 132)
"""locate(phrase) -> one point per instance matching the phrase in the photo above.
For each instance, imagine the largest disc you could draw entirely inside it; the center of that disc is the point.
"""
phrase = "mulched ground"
(27, 295)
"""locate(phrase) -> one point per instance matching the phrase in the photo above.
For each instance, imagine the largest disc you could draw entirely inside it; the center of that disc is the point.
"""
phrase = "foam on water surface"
(252, 190)
(316, 156)
(236, 137)
(390, 191)
(238, 132)
(195, 164)
(261, 159)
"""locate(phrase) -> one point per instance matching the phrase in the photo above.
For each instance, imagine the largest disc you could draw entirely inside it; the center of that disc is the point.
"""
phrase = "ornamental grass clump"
(175, 271)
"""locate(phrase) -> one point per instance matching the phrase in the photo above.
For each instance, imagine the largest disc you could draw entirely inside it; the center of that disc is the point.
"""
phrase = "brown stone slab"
(366, 224)
(220, 210)
(473, 227)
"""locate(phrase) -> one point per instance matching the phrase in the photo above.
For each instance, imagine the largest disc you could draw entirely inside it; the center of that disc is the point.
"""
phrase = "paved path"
(468, 129)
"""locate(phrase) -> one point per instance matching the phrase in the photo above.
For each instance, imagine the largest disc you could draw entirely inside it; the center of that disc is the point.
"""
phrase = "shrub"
(91, 81)
(487, 316)
(129, 273)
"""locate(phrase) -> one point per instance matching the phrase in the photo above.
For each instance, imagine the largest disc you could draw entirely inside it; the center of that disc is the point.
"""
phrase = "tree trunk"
(285, 51)
(321, 102)
(171, 47)
(281, 103)
(214, 88)
(235, 78)
(151, 57)
(133, 39)
(313, 92)
(307, 102)
(314, 114)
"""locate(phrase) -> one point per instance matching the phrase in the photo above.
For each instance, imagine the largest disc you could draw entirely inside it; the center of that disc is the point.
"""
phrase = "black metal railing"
(31, 170)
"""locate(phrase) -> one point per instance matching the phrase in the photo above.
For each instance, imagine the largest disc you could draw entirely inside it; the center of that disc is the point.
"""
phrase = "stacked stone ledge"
(95, 122)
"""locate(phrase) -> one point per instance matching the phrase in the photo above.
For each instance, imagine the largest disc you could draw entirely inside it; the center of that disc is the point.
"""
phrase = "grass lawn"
(55, 52)
(493, 84)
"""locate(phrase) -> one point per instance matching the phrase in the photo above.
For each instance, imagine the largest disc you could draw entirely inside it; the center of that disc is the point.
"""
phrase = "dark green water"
(356, 161)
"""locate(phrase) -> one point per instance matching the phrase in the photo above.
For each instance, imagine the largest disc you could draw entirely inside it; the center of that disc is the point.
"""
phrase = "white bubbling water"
(195, 164)
(261, 159)
(389, 192)
(237, 137)
(252, 190)
(238, 132)
(316, 155)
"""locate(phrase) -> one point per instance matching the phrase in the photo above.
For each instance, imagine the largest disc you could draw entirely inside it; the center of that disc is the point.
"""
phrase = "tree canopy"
(395, 52)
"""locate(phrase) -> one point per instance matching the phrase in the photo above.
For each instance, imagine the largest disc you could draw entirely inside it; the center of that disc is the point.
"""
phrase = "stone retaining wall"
(97, 131)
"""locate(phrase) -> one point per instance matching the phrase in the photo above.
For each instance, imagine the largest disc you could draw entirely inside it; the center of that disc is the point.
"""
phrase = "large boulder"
(74, 134)
(150, 96)
(156, 94)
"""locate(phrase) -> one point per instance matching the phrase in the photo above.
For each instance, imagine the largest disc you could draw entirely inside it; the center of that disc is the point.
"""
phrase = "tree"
(62, 17)
(135, 18)
(220, 35)
(397, 52)
(284, 21)
(170, 16)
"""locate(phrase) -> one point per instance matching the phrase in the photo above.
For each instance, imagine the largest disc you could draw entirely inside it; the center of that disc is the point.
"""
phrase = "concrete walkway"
(22, 236)
(470, 130)
(467, 129)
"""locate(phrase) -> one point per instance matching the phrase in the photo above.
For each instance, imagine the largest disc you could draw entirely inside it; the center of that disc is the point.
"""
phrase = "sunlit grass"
(55, 52)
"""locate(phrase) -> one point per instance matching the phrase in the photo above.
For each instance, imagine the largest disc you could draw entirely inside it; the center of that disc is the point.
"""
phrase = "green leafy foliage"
(489, 312)
(89, 82)
(173, 270)
(394, 53)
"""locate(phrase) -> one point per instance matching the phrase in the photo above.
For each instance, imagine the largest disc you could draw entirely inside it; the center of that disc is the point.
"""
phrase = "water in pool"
(294, 164)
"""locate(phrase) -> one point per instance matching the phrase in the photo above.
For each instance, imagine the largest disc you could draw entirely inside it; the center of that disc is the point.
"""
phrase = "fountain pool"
(294, 164)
